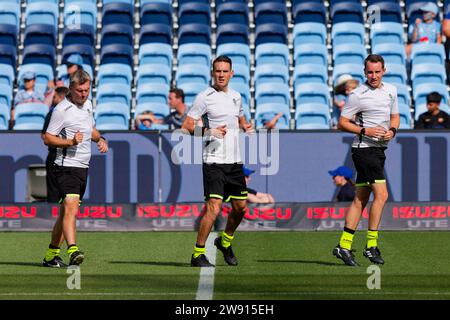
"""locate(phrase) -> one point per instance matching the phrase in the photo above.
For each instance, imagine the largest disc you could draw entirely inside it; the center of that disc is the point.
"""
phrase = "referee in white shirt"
(374, 107)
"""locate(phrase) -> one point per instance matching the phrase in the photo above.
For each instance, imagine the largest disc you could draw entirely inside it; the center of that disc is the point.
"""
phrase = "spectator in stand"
(145, 120)
(434, 118)
(342, 178)
(253, 195)
(345, 84)
(176, 102)
(271, 123)
(427, 30)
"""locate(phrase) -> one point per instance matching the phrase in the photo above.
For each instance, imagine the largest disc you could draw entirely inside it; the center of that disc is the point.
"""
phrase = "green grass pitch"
(272, 265)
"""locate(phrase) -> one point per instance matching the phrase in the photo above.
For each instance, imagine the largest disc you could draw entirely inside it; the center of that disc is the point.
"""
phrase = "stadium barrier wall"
(185, 217)
(144, 167)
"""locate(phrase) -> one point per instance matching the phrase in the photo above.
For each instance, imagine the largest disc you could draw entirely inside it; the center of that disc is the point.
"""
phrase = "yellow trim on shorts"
(218, 196)
(72, 195)
(380, 181)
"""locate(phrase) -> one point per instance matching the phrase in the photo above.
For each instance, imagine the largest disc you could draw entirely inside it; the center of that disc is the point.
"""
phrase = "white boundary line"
(205, 289)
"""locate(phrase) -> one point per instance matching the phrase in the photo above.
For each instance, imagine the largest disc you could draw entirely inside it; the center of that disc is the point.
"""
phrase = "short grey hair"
(79, 77)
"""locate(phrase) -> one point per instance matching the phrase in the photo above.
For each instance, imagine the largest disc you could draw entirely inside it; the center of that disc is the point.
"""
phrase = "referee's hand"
(219, 132)
(77, 138)
(102, 146)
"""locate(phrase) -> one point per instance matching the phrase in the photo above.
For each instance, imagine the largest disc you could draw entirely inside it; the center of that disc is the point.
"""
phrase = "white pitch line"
(205, 289)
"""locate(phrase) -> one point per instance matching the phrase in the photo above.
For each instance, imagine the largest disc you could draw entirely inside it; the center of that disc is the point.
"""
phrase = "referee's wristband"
(394, 130)
(362, 132)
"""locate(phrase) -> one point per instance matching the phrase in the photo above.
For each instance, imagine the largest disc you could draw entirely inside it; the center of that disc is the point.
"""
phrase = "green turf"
(272, 265)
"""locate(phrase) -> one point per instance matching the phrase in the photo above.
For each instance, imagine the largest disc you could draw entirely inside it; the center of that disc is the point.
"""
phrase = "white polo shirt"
(373, 107)
(66, 120)
(219, 108)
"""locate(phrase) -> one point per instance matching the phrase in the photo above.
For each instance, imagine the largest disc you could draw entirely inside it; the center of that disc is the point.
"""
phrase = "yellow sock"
(372, 237)
(346, 240)
(198, 251)
(226, 240)
(51, 253)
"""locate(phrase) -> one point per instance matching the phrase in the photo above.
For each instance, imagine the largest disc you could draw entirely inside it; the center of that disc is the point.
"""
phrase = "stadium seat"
(117, 12)
(309, 11)
(239, 53)
(395, 73)
(126, 1)
(117, 53)
(309, 32)
(79, 12)
(311, 53)
(194, 53)
(115, 73)
(241, 73)
(347, 12)
(152, 92)
(265, 112)
(44, 73)
(86, 52)
(114, 92)
(310, 73)
(194, 33)
(8, 55)
(271, 12)
(420, 93)
(355, 70)
(181, 2)
(232, 33)
(386, 32)
(189, 73)
(160, 110)
(271, 73)
(40, 34)
(272, 53)
(36, 13)
(272, 93)
(191, 90)
(155, 53)
(4, 117)
(156, 12)
(8, 34)
(156, 73)
(428, 73)
(39, 53)
(347, 33)
(349, 53)
(155, 33)
(10, 13)
(7, 75)
(270, 33)
(232, 12)
(30, 116)
(6, 95)
(312, 93)
(405, 116)
(386, 11)
(403, 95)
(312, 116)
(62, 70)
(391, 52)
(428, 53)
(83, 34)
(117, 33)
(112, 116)
(194, 12)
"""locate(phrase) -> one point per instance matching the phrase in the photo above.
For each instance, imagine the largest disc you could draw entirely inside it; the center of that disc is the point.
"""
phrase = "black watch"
(394, 130)
(363, 131)
(102, 137)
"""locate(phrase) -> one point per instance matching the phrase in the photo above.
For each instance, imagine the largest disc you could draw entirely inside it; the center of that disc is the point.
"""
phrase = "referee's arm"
(347, 125)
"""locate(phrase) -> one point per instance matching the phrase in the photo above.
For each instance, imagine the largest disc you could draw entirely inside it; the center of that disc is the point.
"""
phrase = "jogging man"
(223, 175)
(375, 108)
(71, 130)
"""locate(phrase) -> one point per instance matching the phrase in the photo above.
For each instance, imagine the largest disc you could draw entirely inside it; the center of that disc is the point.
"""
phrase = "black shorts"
(52, 184)
(369, 164)
(71, 181)
(224, 181)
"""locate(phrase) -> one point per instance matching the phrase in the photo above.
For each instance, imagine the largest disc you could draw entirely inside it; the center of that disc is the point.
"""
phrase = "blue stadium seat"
(239, 53)
(405, 116)
(272, 53)
(36, 13)
(7, 75)
(160, 110)
(181, 2)
(271, 73)
(44, 73)
(347, 12)
(386, 32)
(311, 53)
(232, 33)
(30, 116)
(156, 13)
(194, 12)
(117, 33)
(79, 12)
(391, 52)
(117, 53)
(155, 33)
(117, 12)
(271, 12)
(83, 34)
(189, 73)
(395, 73)
(309, 11)
(10, 13)
(427, 73)
(387, 11)
(232, 12)
(152, 92)
(194, 33)
(403, 95)
(349, 53)
(115, 73)
(8, 34)
(309, 32)
(420, 93)
(114, 92)
(272, 93)
(191, 90)
(153, 74)
(241, 73)
(310, 73)
(197, 53)
(156, 53)
(40, 34)
(355, 70)
(112, 116)
(62, 70)
(312, 116)
(128, 1)
(86, 52)
(39, 53)
(6, 94)
(428, 53)
(8, 55)
(265, 112)
(312, 93)
(4, 117)
(347, 32)
(67, 2)
(270, 33)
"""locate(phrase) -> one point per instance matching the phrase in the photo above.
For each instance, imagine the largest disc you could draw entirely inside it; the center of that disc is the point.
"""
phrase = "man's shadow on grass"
(154, 263)
(323, 263)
